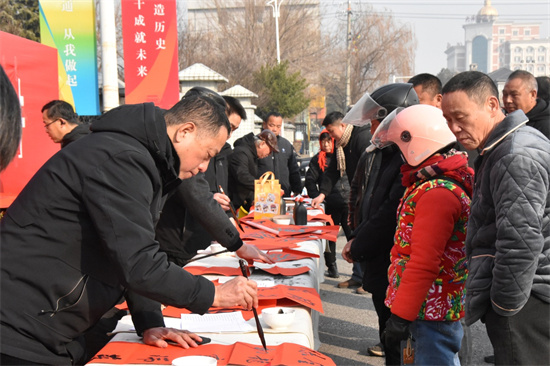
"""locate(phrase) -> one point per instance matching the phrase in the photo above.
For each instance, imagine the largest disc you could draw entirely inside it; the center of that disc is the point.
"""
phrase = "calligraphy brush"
(206, 256)
(232, 210)
(244, 270)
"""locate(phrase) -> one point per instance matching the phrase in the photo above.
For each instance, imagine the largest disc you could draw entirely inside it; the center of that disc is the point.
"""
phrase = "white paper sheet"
(262, 283)
(215, 323)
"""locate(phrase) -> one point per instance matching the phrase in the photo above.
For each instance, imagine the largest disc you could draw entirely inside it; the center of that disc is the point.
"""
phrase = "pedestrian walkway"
(350, 325)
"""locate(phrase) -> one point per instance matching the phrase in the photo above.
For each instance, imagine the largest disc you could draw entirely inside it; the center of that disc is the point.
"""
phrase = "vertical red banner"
(150, 37)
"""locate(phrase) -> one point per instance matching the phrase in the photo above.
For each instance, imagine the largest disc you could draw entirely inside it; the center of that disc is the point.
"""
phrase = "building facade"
(491, 44)
(208, 15)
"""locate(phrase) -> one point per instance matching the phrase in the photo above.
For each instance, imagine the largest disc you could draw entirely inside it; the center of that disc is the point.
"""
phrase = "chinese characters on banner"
(69, 26)
(124, 353)
(150, 38)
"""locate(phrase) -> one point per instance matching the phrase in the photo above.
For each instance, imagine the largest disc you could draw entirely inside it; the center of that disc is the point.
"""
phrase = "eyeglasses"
(47, 124)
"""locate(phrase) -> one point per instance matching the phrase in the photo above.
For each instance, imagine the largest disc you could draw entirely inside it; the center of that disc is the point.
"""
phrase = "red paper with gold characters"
(123, 353)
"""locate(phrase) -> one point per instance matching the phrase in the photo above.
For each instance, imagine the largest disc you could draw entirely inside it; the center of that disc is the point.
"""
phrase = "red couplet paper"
(288, 235)
(225, 271)
(290, 255)
(321, 217)
(286, 271)
(266, 241)
(283, 256)
(305, 296)
(122, 353)
(173, 312)
(287, 230)
(294, 354)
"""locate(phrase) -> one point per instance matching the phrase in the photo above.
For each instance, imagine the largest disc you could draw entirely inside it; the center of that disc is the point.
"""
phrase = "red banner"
(150, 37)
(32, 69)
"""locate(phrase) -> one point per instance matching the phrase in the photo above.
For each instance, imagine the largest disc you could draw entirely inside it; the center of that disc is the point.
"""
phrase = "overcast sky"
(437, 23)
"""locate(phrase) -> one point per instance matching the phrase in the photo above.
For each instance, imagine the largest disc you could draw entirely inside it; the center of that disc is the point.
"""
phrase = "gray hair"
(528, 79)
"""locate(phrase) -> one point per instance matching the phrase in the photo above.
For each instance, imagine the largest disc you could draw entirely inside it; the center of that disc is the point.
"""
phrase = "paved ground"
(350, 324)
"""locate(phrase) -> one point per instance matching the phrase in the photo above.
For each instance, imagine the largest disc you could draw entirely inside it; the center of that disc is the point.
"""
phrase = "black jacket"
(243, 170)
(191, 219)
(78, 132)
(359, 140)
(82, 231)
(376, 191)
(217, 172)
(338, 197)
(539, 117)
(285, 167)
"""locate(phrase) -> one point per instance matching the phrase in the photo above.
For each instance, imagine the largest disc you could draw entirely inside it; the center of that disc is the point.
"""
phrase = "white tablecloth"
(303, 331)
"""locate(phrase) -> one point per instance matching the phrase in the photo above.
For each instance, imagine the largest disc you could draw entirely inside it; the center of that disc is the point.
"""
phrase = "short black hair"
(206, 113)
(201, 90)
(477, 86)
(234, 106)
(272, 114)
(429, 83)
(61, 109)
(10, 120)
(333, 118)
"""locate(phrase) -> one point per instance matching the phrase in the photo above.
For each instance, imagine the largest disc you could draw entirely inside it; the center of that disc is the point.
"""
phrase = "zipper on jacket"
(57, 309)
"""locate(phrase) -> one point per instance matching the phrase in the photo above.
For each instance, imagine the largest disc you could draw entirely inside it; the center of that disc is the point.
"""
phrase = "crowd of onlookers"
(442, 193)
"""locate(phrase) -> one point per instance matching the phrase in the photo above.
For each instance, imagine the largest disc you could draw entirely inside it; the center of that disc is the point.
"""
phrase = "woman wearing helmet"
(428, 269)
(375, 193)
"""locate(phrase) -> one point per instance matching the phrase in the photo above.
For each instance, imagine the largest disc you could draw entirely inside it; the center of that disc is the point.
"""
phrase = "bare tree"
(241, 39)
(380, 48)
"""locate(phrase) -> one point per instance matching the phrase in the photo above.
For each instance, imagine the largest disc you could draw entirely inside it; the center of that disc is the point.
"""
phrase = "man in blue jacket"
(508, 241)
(81, 233)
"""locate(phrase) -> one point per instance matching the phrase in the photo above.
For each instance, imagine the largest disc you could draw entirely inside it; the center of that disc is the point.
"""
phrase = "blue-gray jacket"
(508, 242)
